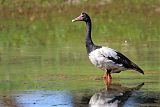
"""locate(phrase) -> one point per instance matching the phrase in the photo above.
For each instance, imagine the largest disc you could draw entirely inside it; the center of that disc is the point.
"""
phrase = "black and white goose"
(107, 59)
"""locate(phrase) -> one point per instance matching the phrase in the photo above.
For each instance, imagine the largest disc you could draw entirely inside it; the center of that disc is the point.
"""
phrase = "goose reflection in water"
(113, 96)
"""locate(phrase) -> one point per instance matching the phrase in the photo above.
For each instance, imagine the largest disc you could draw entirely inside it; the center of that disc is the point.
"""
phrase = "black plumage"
(125, 62)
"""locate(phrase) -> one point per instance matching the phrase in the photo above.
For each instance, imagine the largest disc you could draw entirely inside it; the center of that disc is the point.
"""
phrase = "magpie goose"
(107, 59)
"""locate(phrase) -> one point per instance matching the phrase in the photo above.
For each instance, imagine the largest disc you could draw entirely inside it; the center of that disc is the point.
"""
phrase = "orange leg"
(107, 78)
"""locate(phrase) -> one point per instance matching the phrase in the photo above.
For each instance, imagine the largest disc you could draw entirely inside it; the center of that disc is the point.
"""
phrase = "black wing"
(126, 62)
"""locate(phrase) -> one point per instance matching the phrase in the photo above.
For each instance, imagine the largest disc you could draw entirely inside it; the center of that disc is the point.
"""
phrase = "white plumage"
(99, 58)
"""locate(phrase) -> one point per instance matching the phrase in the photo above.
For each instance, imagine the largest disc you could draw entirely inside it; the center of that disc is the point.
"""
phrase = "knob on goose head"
(83, 17)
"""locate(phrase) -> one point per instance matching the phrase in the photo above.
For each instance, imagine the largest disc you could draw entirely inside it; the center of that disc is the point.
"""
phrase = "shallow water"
(43, 60)
(116, 95)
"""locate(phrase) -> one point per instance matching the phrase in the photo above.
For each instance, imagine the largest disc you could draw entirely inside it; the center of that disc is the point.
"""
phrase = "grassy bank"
(36, 22)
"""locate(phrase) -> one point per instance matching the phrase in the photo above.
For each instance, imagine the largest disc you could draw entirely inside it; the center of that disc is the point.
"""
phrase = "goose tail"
(137, 68)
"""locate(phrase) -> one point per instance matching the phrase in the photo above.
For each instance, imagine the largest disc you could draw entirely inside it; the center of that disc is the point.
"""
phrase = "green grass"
(40, 48)
(121, 19)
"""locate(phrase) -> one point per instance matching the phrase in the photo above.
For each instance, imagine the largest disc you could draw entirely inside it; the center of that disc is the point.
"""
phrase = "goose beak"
(79, 18)
(73, 20)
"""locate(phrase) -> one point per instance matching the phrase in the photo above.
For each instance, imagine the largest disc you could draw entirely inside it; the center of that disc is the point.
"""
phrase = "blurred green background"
(40, 48)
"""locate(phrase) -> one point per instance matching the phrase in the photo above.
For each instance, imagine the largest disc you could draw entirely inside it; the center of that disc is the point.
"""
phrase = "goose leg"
(107, 78)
